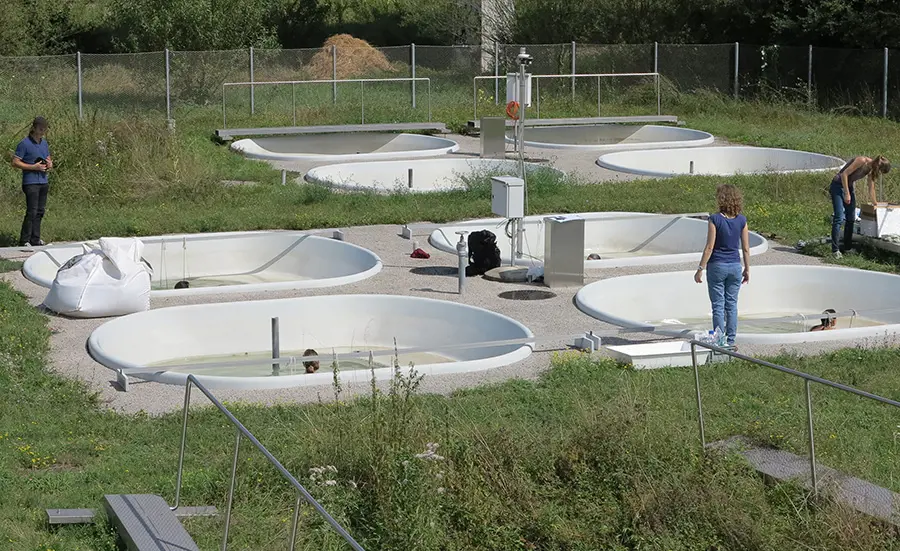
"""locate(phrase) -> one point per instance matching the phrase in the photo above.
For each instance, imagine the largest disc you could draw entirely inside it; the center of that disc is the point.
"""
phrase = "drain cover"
(527, 294)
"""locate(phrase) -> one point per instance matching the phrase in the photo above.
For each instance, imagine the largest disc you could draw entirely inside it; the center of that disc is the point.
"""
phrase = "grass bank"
(589, 457)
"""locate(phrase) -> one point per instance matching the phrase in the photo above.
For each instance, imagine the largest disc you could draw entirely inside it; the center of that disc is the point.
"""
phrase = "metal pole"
(658, 97)
(598, 96)
(294, 523)
(169, 92)
(252, 88)
(809, 99)
(234, 462)
(737, 51)
(412, 64)
(812, 441)
(224, 123)
(656, 70)
(80, 110)
(884, 99)
(537, 94)
(294, 102)
(429, 100)
(463, 256)
(699, 402)
(573, 74)
(409, 178)
(184, 422)
(276, 345)
(496, 73)
(334, 73)
(362, 102)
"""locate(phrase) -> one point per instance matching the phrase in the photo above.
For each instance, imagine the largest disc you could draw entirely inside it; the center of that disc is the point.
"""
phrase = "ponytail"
(881, 165)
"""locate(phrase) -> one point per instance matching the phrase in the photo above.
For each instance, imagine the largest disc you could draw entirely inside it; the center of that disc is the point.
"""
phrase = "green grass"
(7, 265)
(591, 456)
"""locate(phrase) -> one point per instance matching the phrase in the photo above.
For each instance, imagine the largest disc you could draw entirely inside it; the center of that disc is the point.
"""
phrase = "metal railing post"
(809, 98)
(184, 422)
(737, 62)
(412, 65)
(294, 522)
(294, 102)
(537, 95)
(334, 73)
(362, 102)
(496, 73)
(169, 88)
(812, 441)
(224, 122)
(276, 343)
(573, 73)
(699, 401)
(429, 99)
(884, 99)
(234, 462)
(252, 88)
(78, 68)
(598, 96)
(656, 70)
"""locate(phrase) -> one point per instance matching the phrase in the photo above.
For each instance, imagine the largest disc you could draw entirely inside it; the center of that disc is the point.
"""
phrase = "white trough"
(610, 137)
(657, 354)
(416, 175)
(233, 262)
(677, 306)
(619, 238)
(337, 323)
(356, 146)
(718, 161)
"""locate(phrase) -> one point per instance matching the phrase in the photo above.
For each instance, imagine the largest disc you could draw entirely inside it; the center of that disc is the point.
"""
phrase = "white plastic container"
(658, 354)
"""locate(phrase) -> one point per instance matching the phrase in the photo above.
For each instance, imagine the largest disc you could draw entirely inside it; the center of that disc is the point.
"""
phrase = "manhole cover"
(527, 294)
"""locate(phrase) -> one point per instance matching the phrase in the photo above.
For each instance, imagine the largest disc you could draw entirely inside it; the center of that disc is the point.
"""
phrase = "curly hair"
(729, 199)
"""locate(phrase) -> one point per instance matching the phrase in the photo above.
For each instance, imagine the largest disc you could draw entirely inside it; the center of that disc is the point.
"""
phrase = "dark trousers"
(843, 214)
(35, 204)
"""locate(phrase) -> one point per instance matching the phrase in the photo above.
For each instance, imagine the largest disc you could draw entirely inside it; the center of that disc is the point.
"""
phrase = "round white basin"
(718, 161)
(609, 137)
(358, 146)
(226, 332)
(417, 175)
(676, 305)
(619, 238)
(232, 262)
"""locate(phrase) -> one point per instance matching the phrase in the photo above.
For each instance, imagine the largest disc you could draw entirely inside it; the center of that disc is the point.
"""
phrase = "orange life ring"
(512, 110)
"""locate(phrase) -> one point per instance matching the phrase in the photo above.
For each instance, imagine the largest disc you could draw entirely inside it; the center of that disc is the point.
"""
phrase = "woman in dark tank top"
(843, 198)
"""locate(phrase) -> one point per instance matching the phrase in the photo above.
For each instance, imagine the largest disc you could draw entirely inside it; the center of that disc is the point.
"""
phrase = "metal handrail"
(807, 380)
(242, 431)
(334, 82)
(537, 80)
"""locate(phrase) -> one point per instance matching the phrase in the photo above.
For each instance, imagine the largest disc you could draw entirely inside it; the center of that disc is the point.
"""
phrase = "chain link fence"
(176, 85)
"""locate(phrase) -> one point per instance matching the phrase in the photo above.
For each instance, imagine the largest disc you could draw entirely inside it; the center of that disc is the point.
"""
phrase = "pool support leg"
(463, 255)
(692, 167)
(409, 178)
(276, 347)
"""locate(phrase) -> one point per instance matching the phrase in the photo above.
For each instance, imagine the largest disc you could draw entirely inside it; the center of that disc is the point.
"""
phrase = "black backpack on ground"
(484, 254)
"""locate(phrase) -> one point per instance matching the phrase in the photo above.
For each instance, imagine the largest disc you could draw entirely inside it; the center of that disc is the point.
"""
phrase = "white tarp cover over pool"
(868, 303)
(609, 137)
(225, 332)
(232, 262)
(354, 146)
(718, 161)
(619, 238)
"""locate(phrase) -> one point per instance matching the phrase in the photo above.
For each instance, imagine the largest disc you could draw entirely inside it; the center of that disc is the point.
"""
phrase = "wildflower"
(430, 453)
(331, 482)
(440, 490)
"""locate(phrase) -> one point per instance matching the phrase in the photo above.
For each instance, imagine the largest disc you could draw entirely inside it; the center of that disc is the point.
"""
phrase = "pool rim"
(707, 139)
(262, 154)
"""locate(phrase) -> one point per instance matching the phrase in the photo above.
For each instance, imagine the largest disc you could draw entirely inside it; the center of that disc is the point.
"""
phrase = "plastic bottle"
(710, 338)
(718, 337)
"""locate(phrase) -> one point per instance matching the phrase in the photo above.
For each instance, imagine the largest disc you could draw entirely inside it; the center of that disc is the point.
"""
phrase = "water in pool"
(264, 368)
(223, 280)
(762, 323)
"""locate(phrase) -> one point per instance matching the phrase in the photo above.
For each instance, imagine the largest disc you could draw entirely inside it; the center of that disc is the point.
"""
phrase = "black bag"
(484, 254)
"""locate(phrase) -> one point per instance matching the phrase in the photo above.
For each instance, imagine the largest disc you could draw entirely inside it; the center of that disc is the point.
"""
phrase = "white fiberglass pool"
(228, 332)
(609, 137)
(417, 175)
(718, 161)
(357, 146)
(232, 262)
(618, 238)
(779, 305)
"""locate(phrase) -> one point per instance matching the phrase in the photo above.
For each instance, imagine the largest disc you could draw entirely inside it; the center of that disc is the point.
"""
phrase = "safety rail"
(807, 380)
(537, 84)
(243, 432)
(334, 82)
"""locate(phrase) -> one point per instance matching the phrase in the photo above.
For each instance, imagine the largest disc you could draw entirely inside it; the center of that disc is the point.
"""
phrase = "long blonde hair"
(729, 200)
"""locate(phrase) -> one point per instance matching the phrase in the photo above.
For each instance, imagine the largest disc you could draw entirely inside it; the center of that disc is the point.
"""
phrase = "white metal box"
(658, 354)
(512, 88)
(880, 220)
(563, 250)
(508, 196)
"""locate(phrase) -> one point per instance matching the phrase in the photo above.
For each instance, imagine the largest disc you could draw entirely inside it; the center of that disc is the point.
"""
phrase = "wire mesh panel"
(451, 69)
(692, 67)
(849, 80)
(774, 72)
(197, 78)
(613, 58)
(123, 83)
(36, 85)
(287, 65)
(549, 59)
(894, 84)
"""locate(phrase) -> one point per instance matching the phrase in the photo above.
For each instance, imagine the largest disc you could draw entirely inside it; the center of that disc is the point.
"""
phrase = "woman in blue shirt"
(33, 159)
(727, 236)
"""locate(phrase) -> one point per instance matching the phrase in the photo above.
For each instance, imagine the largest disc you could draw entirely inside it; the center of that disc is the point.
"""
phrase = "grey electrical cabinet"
(493, 137)
(563, 251)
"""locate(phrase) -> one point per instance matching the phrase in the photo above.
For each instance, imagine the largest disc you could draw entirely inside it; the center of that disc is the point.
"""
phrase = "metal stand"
(462, 252)
(276, 347)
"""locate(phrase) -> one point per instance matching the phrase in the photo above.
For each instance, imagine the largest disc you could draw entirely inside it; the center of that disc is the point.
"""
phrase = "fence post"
(656, 70)
(78, 66)
(252, 88)
(573, 71)
(334, 73)
(496, 73)
(809, 99)
(412, 64)
(656, 57)
(168, 88)
(884, 100)
(812, 442)
(737, 50)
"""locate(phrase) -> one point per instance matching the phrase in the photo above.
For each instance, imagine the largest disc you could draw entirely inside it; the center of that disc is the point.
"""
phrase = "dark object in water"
(593, 256)
(311, 367)
(183, 284)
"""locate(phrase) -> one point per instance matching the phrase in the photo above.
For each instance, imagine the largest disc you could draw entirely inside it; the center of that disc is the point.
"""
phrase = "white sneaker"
(838, 255)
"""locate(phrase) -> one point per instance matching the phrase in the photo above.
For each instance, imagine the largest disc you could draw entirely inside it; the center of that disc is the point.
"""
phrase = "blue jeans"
(842, 213)
(723, 279)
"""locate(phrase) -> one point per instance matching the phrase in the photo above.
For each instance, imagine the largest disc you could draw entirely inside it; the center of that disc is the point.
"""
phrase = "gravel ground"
(556, 321)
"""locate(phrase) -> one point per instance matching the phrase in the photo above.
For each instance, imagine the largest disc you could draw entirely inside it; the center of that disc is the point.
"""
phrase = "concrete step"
(145, 523)
(87, 516)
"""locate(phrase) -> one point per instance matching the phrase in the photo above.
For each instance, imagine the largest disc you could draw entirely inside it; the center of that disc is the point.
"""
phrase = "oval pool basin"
(677, 306)
(336, 323)
(718, 161)
(610, 137)
(355, 146)
(619, 238)
(232, 262)
(416, 175)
